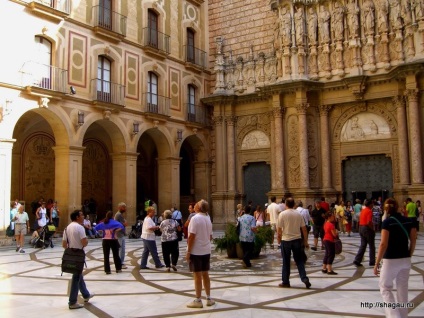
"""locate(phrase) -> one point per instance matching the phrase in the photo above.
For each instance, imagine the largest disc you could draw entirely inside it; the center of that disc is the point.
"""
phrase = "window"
(191, 103)
(190, 46)
(105, 14)
(42, 59)
(152, 93)
(152, 29)
(103, 79)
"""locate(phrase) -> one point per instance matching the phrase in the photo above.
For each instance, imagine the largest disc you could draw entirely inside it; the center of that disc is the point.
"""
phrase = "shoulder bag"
(73, 259)
(339, 245)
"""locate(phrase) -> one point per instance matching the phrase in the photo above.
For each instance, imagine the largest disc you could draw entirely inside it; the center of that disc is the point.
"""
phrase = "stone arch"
(378, 109)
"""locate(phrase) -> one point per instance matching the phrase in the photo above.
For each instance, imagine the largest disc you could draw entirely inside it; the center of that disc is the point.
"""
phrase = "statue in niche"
(337, 21)
(312, 25)
(368, 14)
(418, 5)
(324, 19)
(383, 22)
(286, 26)
(352, 14)
(407, 14)
(299, 22)
(395, 18)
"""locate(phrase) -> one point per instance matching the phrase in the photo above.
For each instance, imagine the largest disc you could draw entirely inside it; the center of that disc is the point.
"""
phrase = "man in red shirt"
(325, 205)
(366, 231)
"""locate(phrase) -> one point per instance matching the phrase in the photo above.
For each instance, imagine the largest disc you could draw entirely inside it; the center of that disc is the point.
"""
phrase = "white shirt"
(273, 210)
(146, 233)
(75, 232)
(201, 226)
(305, 213)
(290, 221)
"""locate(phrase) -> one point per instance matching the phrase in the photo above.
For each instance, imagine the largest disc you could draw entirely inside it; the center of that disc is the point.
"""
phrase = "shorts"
(318, 231)
(200, 263)
(20, 228)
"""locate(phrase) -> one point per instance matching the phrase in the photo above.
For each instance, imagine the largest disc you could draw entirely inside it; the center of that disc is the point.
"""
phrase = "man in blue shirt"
(247, 235)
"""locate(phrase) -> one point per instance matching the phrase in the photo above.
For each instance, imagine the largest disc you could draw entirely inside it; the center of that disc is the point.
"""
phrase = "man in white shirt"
(273, 210)
(305, 214)
(290, 229)
(199, 252)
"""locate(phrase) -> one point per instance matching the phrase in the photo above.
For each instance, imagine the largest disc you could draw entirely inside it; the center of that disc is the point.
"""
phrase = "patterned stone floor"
(31, 285)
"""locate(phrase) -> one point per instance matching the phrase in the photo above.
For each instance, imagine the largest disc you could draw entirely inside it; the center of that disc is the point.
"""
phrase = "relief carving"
(353, 21)
(299, 22)
(293, 152)
(286, 26)
(337, 24)
(312, 26)
(368, 17)
(324, 19)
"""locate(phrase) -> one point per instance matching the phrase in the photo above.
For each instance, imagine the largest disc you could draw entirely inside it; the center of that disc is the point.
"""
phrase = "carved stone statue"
(368, 16)
(286, 26)
(383, 22)
(418, 5)
(395, 18)
(352, 13)
(337, 21)
(299, 22)
(407, 14)
(312, 25)
(324, 22)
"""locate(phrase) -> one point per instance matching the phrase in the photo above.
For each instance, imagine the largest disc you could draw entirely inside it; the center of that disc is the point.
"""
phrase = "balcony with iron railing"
(105, 92)
(109, 23)
(194, 57)
(45, 77)
(54, 9)
(196, 114)
(156, 42)
(156, 104)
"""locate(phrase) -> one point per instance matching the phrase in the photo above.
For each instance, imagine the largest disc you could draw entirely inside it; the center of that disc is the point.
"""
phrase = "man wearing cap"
(366, 231)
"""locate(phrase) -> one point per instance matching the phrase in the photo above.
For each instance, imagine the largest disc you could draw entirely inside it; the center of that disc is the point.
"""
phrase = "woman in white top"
(41, 215)
(149, 240)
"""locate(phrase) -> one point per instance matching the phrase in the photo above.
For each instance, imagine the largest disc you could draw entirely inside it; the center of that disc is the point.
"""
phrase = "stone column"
(231, 154)
(278, 148)
(6, 146)
(68, 180)
(303, 145)
(124, 183)
(403, 148)
(325, 147)
(219, 153)
(415, 136)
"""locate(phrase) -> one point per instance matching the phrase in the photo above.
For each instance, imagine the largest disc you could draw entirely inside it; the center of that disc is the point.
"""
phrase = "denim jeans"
(77, 283)
(121, 241)
(287, 247)
(367, 238)
(149, 246)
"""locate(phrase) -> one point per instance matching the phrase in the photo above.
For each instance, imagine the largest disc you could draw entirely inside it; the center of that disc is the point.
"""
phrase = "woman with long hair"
(397, 245)
(110, 227)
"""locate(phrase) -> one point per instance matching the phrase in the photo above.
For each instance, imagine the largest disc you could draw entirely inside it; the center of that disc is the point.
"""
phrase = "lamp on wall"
(80, 119)
(6, 110)
(179, 136)
(72, 90)
(136, 128)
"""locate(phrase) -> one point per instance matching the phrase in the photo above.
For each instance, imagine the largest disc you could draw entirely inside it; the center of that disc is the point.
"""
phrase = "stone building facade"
(324, 95)
(225, 100)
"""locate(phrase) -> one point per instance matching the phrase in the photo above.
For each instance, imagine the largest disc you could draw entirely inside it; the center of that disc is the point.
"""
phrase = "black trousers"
(247, 252)
(170, 252)
(107, 246)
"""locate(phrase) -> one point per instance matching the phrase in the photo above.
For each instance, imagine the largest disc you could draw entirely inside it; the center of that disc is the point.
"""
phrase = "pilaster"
(6, 146)
(303, 145)
(399, 102)
(325, 148)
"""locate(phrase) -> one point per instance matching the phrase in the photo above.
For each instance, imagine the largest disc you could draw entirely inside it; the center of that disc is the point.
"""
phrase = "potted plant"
(230, 241)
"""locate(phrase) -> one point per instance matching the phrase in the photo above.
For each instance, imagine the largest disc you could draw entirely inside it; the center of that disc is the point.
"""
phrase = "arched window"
(105, 14)
(43, 60)
(152, 93)
(152, 20)
(190, 46)
(103, 79)
(191, 97)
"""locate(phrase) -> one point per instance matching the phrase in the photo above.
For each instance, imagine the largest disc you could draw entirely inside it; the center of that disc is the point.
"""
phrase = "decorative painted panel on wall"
(77, 59)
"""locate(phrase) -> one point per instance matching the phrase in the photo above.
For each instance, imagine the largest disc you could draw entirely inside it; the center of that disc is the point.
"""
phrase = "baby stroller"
(45, 237)
(136, 230)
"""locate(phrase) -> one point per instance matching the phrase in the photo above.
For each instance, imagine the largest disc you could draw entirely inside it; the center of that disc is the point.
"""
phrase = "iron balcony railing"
(155, 39)
(195, 56)
(109, 20)
(45, 76)
(196, 114)
(156, 104)
(60, 5)
(108, 92)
